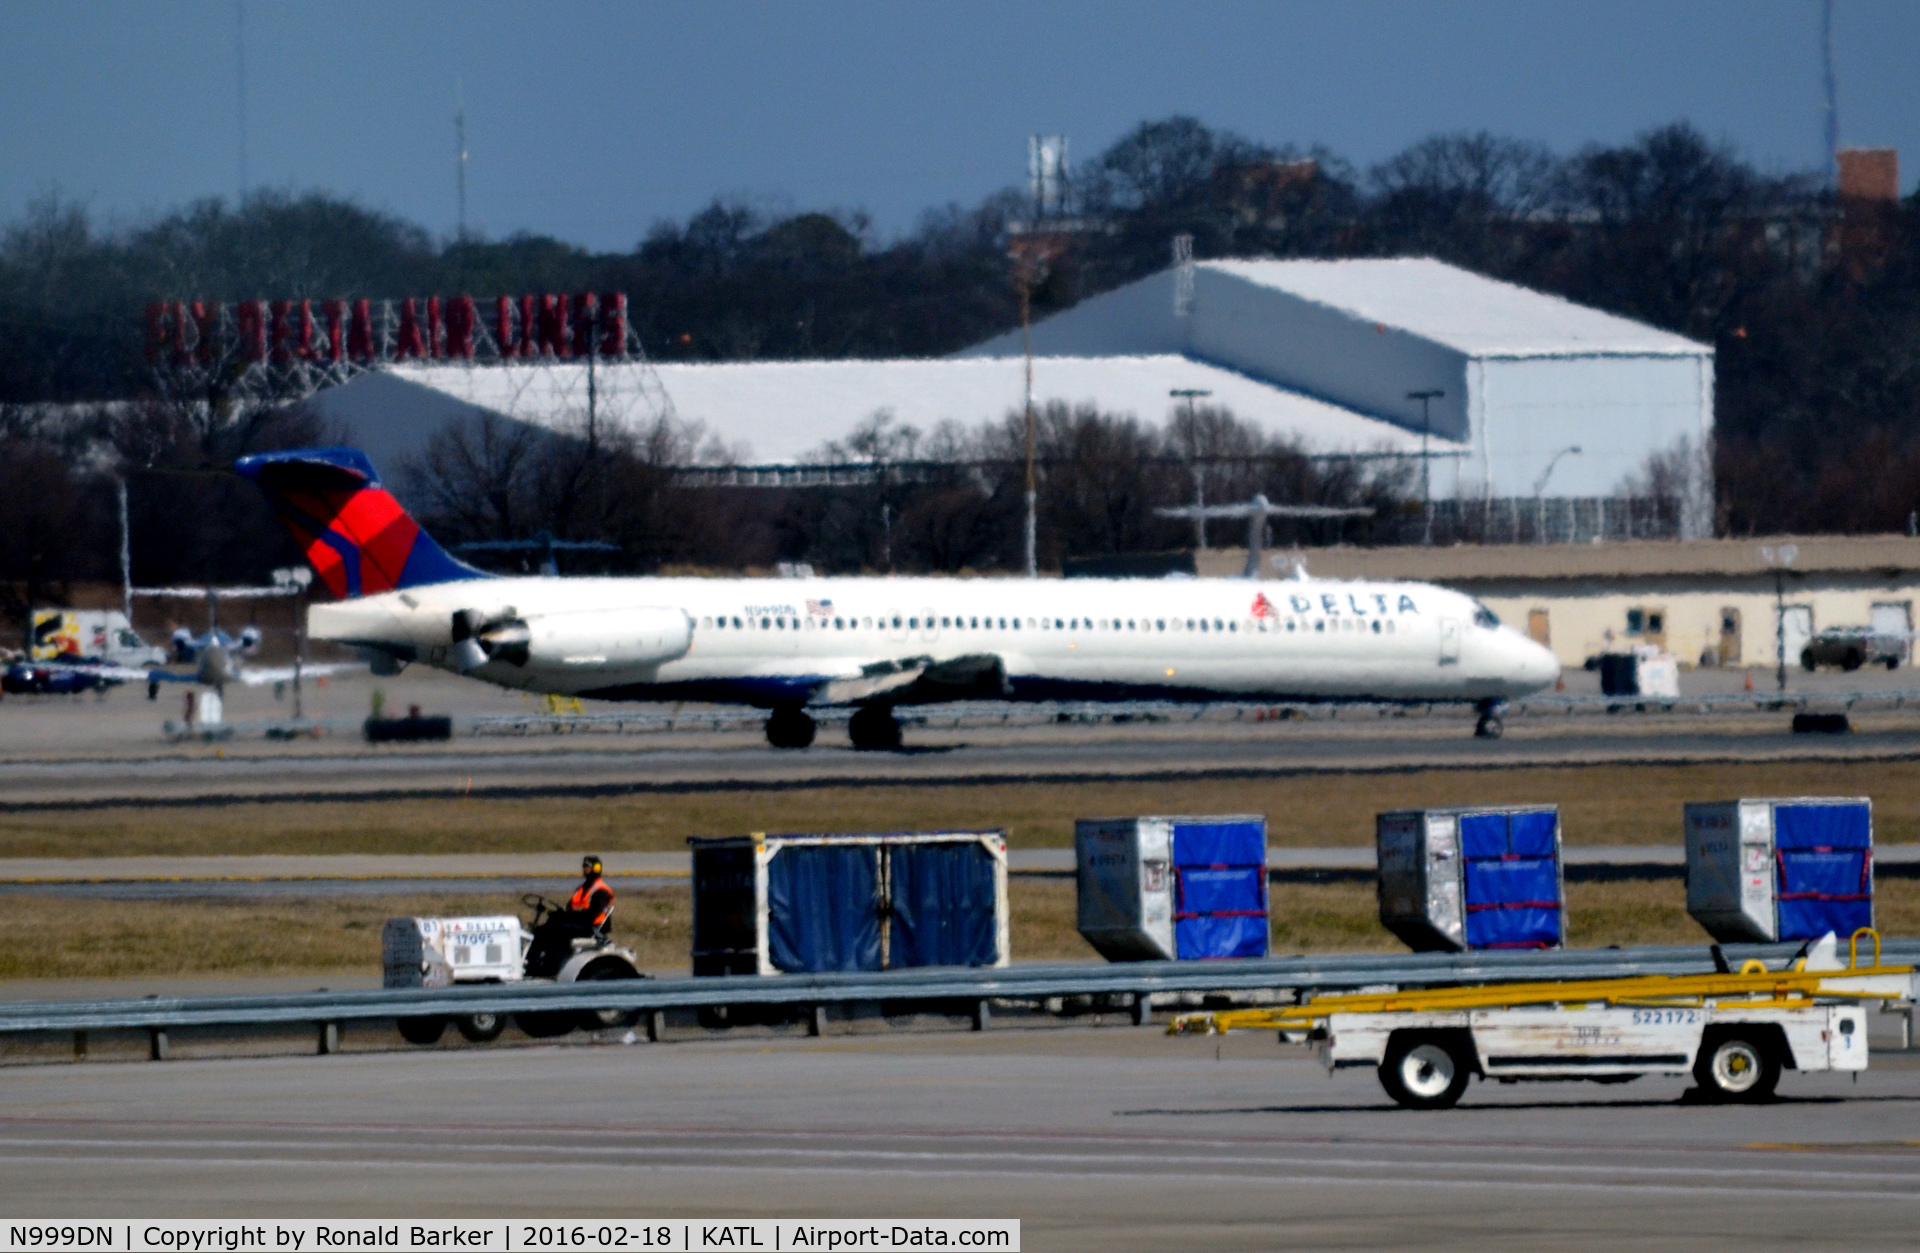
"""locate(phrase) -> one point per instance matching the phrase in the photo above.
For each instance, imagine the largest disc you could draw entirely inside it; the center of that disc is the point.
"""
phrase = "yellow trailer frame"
(1754, 984)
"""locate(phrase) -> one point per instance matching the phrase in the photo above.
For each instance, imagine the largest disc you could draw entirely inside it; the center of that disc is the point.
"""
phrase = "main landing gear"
(788, 726)
(1490, 725)
(874, 729)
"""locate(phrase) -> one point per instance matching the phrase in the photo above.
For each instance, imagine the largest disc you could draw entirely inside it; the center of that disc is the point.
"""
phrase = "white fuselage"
(768, 642)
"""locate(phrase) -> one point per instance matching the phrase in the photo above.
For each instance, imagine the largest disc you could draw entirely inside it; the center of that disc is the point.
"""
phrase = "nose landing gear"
(1490, 725)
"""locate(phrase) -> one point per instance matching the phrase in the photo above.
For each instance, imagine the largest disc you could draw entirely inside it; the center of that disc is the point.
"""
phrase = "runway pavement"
(87, 752)
(1112, 1139)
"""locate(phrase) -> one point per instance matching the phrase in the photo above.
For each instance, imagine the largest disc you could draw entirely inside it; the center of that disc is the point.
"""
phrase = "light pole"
(1191, 394)
(294, 580)
(1539, 492)
(1426, 399)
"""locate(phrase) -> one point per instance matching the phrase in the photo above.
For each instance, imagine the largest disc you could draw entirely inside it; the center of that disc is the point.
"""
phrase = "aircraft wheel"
(1489, 727)
(788, 727)
(873, 729)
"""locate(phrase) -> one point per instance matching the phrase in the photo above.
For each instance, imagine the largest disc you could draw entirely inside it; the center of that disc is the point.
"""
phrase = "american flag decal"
(819, 608)
(1262, 607)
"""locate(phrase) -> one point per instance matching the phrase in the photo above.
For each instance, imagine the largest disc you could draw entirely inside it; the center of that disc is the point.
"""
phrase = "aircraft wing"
(103, 672)
(260, 676)
(918, 680)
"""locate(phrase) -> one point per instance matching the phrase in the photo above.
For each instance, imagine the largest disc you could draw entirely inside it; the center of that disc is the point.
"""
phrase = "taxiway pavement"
(1110, 1139)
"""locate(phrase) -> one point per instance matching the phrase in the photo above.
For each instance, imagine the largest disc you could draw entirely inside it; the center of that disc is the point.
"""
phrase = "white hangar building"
(1523, 375)
(1322, 352)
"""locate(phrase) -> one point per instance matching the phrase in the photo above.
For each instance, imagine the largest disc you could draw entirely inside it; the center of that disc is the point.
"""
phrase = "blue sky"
(590, 121)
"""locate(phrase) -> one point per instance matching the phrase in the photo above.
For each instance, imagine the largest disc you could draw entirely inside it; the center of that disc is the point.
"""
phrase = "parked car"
(1851, 647)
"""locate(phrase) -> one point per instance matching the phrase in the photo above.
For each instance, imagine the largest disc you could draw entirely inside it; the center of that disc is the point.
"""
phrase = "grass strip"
(1614, 804)
(44, 937)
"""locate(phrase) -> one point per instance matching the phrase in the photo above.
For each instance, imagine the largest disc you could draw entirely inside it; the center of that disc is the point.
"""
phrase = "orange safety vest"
(581, 902)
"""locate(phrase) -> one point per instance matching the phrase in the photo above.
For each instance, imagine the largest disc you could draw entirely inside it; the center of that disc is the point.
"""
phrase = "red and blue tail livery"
(355, 534)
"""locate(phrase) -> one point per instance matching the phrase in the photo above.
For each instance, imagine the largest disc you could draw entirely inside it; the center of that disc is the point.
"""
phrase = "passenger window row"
(1378, 626)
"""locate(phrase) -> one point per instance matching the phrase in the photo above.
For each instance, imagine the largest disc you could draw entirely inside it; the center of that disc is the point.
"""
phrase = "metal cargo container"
(1475, 877)
(1156, 889)
(767, 904)
(1784, 869)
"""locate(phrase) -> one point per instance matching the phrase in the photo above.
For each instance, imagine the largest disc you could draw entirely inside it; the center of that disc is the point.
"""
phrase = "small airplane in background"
(218, 658)
(187, 647)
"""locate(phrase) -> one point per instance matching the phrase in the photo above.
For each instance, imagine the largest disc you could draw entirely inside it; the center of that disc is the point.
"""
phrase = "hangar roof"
(785, 412)
(1476, 315)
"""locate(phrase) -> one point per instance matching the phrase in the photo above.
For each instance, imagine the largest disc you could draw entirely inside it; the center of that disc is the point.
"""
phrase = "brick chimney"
(1869, 201)
(1870, 174)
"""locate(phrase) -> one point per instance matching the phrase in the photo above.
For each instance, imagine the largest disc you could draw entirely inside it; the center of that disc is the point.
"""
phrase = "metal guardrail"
(1140, 981)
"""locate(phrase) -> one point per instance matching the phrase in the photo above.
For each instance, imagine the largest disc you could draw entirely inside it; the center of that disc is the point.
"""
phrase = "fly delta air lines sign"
(678, 1235)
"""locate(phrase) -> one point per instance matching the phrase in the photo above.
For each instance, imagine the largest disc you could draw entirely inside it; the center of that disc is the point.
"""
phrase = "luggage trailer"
(1734, 1031)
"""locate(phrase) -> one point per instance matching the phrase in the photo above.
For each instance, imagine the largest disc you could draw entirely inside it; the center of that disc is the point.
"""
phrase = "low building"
(1527, 397)
(1709, 602)
(771, 415)
(1548, 396)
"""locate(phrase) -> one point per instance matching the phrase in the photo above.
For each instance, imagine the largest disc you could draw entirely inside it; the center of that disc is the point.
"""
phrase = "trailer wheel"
(421, 1030)
(1426, 1071)
(1737, 1068)
(545, 1026)
(480, 1028)
(608, 1019)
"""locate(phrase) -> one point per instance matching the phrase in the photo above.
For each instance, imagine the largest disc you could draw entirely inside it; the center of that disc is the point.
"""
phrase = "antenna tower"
(460, 152)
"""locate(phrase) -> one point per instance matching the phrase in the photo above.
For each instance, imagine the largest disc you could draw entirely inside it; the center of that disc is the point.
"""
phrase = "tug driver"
(583, 918)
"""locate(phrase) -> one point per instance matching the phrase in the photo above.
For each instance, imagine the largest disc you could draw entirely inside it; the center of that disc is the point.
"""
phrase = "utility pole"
(1833, 93)
(1426, 398)
(460, 153)
(240, 84)
(126, 553)
(1033, 496)
(1200, 515)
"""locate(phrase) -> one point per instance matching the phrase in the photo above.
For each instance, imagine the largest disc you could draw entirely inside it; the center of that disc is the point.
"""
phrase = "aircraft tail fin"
(355, 534)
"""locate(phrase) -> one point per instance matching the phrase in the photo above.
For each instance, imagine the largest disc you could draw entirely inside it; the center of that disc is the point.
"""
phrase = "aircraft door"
(1893, 622)
(1449, 641)
(929, 625)
(1793, 631)
(896, 624)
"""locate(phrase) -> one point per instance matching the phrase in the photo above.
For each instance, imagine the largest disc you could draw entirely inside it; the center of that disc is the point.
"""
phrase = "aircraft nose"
(1538, 665)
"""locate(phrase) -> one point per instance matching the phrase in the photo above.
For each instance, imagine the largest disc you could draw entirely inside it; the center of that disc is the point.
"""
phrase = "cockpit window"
(1483, 616)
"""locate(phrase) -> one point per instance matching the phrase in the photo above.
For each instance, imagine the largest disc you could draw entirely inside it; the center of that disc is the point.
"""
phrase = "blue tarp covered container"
(1780, 869)
(1472, 877)
(764, 904)
(1154, 889)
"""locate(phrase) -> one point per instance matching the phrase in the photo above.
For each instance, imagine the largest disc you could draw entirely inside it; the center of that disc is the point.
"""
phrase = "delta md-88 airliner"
(791, 646)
